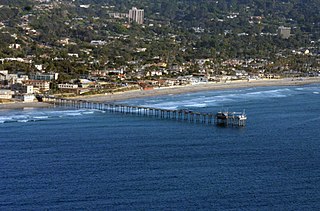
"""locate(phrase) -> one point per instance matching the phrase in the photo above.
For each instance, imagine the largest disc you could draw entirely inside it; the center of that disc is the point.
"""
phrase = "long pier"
(234, 119)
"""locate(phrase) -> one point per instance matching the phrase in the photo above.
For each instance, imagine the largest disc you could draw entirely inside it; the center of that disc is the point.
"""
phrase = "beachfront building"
(69, 88)
(190, 79)
(6, 94)
(39, 86)
(21, 88)
(25, 97)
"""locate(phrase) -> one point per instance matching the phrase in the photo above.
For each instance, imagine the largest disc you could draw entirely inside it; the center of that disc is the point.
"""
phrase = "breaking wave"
(218, 98)
(33, 115)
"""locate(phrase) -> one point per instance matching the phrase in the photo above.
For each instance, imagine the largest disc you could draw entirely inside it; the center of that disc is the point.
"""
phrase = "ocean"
(78, 159)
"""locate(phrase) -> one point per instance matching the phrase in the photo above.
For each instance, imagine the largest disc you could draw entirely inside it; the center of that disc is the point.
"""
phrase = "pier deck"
(220, 118)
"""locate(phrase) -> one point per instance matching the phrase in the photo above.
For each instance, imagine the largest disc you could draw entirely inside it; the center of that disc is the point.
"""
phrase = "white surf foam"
(74, 114)
(23, 120)
(197, 105)
(20, 117)
(41, 117)
(88, 112)
(5, 119)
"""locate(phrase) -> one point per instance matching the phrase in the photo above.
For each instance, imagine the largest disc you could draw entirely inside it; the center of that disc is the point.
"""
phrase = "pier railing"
(234, 119)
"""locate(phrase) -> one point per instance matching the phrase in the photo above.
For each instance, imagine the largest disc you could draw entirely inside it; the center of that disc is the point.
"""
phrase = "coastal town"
(100, 61)
(159, 105)
(23, 87)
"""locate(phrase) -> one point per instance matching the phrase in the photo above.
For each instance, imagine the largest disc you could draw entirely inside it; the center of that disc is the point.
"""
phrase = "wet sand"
(21, 105)
(173, 90)
(199, 87)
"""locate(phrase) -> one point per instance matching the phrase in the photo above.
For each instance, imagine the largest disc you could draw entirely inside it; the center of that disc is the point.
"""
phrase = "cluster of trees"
(172, 35)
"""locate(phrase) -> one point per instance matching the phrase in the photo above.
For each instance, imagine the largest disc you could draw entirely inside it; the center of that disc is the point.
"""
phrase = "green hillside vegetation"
(174, 31)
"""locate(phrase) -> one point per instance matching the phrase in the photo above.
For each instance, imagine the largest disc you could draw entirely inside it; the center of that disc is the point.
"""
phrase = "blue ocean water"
(64, 159)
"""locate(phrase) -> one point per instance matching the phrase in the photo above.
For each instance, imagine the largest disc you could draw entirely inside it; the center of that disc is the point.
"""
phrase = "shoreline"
(23, 105)
(211, 86)
(120, 96)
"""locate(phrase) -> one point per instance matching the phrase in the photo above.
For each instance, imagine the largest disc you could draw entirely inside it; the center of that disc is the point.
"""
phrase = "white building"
(14, 46)
(44, 76)
(21, 79)
(6, 94)
(67, 86)
(25, 97)
(23, 89)
(136, 15)
(98, 42)
(40, 85)
(4, 72)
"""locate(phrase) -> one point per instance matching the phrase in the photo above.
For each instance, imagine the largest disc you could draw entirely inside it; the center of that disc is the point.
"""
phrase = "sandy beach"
(199, 87)
(173, 90)
(22, 105)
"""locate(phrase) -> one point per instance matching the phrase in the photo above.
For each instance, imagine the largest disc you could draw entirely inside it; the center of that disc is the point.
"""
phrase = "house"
(201, 78)
(40, 86)
(154, 73)
(25, 97)
(85, 83)
(14, 46)
(6, 94)
(64, 42)
(2, 77)
(68, 86)
(22, 89)
(272, 76)
(98, 42)
(39, 67)
(21, 78)
(4, 72)
(73, 55)
(85, 6)
(71, 88)
(170, 82)
(44, 76)
(241, 74)
(190, 79)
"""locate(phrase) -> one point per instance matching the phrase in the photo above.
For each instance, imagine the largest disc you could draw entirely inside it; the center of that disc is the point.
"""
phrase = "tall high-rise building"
(136, 15)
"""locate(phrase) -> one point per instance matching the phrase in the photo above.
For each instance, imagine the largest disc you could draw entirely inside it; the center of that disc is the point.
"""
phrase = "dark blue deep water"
(55, 159)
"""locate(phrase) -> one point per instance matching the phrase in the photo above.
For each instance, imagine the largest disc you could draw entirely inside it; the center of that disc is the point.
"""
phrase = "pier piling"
(220, 118)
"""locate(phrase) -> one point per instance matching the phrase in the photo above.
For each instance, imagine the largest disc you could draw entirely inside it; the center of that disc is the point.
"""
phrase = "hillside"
(173, 31)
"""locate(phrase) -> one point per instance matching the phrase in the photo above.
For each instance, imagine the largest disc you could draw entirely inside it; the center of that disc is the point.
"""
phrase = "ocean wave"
(88, 112)
(35, 115)
(197, 105)
(23, 120)
(41, 117)
(212, 98)
(163, 105)
(20, 117)
(74, 114)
